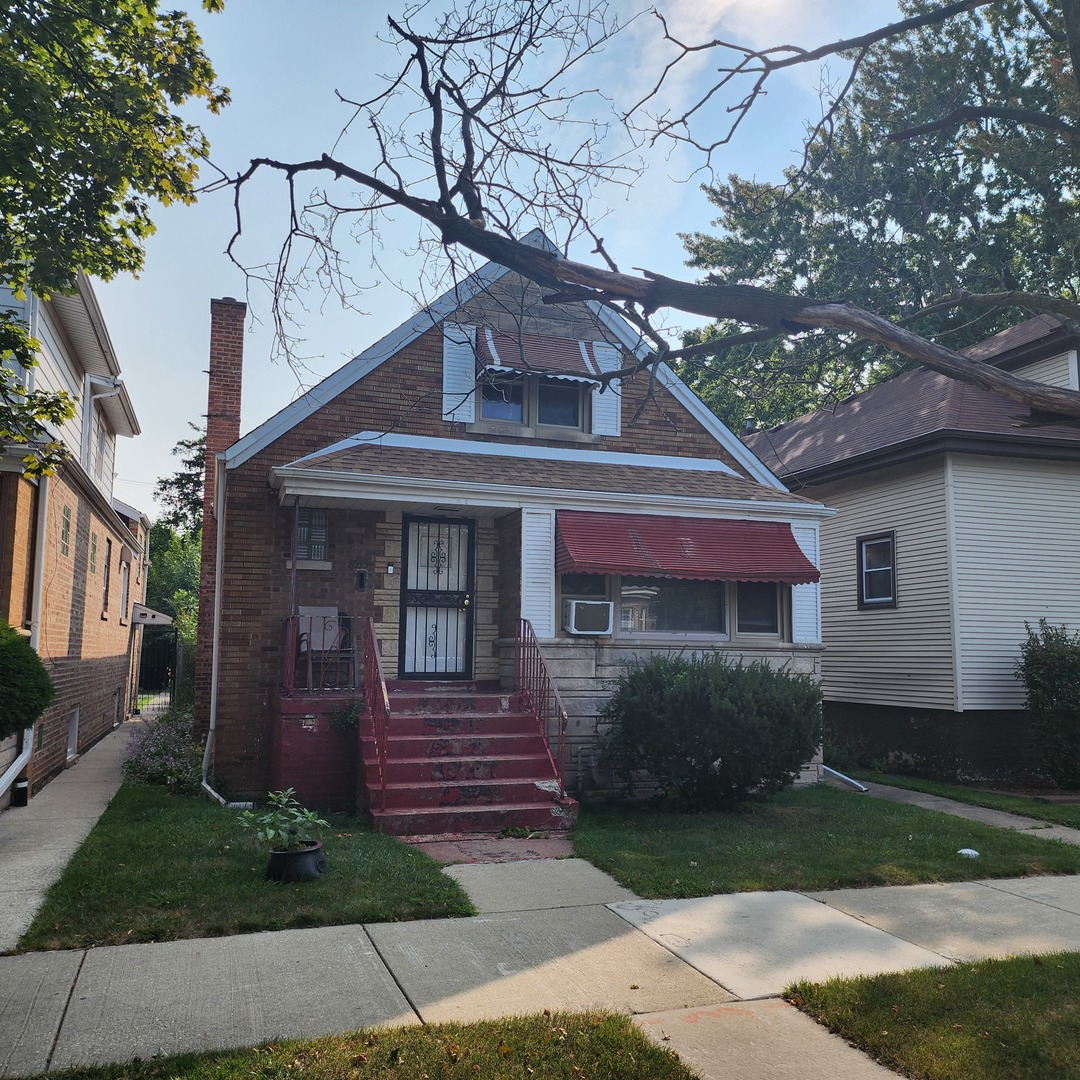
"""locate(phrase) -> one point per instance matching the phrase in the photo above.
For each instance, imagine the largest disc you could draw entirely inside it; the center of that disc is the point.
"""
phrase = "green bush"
(711, 733)
(1049, 668)
(25, 687)
(165, 752)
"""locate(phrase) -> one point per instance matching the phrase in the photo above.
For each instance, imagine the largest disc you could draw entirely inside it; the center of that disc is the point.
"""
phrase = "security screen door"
(436, 598)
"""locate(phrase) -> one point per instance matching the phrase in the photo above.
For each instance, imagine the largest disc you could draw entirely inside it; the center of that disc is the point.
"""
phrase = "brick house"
(465, 530)
(957, 512)
(72, 558)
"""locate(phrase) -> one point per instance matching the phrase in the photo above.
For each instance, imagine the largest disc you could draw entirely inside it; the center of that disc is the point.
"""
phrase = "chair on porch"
(324, 645)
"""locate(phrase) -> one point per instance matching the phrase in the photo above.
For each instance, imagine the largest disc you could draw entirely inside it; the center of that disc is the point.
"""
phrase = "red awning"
(498, 351)
(646, 545)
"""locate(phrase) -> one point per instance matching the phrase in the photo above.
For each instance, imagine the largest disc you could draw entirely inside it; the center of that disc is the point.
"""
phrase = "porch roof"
(372, 469)
(649, 545)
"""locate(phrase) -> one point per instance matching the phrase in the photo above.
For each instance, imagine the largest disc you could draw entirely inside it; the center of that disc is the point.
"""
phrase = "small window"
(534, 401)
(65, 531)
(671, 606)
(584, 586)
(558, 404)
(877, 570)
(503, 399)
(105, 575)
(757, 606)
(93, 553)
(125, 586)
(314, 533)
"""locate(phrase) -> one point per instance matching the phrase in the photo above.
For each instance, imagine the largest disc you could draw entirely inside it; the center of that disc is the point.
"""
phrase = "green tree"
(90, 136)
(182, 493)
(923, 199)
(172, 586)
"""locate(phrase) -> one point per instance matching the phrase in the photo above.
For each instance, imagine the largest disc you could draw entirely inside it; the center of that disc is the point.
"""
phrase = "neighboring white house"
(72, 560)
(958, 513)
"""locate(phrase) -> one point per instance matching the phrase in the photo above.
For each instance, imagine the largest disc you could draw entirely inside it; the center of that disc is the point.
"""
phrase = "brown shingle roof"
(918, 406)
(633, 480)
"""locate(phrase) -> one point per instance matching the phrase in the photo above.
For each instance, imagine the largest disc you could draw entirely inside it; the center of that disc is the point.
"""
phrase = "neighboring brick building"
(463, 474)
(72, 559)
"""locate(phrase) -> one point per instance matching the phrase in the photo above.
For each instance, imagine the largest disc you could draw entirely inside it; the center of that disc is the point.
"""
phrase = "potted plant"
(296, 852)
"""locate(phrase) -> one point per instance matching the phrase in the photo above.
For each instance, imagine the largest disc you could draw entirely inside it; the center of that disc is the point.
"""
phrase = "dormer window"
(528, 386)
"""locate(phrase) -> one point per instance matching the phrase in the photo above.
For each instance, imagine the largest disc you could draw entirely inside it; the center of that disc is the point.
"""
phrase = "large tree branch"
(1020, 117)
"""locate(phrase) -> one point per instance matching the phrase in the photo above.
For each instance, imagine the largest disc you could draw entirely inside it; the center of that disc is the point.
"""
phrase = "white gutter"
(115, 386)
(11, 773)
(219, 558)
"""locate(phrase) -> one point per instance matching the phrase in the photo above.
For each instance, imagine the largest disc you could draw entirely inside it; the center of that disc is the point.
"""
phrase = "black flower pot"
(307, 864)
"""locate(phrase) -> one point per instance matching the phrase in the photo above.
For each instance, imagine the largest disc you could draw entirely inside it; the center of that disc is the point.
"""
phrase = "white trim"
(954, 586)
(437, 444)
(538, 569)
(325, 484)
(1074, 370)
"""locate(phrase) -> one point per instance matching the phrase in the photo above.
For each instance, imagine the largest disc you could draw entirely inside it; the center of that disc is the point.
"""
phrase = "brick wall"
(83, 642)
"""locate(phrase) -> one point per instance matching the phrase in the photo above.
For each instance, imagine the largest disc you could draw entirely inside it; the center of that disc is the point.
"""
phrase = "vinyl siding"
(57, 371)
(1056, 371)
(896, 656)
(1017, 557)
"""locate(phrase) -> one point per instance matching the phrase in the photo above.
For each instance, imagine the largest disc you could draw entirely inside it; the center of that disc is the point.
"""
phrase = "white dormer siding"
(607, 406)
(459, 373)
(1060, 370)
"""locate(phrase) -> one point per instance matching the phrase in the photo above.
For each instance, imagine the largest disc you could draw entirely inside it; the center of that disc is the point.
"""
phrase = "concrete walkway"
(702, 976)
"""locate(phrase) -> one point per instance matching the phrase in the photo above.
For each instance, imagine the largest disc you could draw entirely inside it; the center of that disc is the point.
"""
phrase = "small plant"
(1049, 668)
(710, 733)
(345, 717)
(25, 687)
(285, 825)
(165, 752)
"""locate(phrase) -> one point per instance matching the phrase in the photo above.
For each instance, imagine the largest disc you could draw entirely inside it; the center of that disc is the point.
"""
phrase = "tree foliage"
(25, 687)
(182, 493)
(172, 586)
(90, 136)
(483, 131)
(922, 199)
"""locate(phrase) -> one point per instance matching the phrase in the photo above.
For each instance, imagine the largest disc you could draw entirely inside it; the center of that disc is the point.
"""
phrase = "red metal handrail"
(377, 700)
(532, 680)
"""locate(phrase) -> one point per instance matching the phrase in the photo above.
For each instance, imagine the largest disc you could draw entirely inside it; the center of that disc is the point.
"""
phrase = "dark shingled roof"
(370, 459)
(918, 411)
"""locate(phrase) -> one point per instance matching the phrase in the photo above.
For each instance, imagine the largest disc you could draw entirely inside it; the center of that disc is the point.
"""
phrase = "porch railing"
(320, 653)
(377, 700)
(532, 680)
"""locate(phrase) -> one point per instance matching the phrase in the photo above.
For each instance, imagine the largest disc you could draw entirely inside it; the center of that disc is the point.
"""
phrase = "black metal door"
(158, 663)
(436, 625)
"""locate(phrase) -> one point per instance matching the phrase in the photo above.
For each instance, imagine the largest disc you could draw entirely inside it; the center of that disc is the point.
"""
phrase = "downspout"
(26, 738)
(219, 558)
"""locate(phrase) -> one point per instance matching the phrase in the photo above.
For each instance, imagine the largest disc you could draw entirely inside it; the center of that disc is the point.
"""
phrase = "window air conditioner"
(587, 616)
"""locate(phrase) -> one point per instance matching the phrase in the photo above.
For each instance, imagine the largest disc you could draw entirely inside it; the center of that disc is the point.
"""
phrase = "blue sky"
(283, 60)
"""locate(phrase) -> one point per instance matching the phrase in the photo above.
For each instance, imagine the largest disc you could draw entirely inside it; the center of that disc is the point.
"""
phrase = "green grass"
(550, 1047)
(1015, 1019)
(1058, 813)
(159, 867)
(805, 839)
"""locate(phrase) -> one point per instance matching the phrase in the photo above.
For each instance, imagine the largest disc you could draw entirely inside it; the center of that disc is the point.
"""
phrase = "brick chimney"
(227, 318)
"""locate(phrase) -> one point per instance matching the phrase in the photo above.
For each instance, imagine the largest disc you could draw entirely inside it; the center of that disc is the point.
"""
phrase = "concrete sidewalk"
(703, 976)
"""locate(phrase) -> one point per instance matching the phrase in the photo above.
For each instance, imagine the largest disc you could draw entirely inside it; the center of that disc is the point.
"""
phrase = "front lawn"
(550, 1047)
(159, 867)
(803, 840)
(1015, 1019)
(1025, 805)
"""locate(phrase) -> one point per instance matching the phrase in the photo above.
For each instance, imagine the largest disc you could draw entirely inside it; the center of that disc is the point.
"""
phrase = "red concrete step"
(441, 724)
(510, 792)
(468, 745)
(537, 817)
(460, 769)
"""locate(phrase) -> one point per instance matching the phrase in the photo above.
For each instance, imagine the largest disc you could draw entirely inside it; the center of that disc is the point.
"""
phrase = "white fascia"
(327, 484)
(435, 444)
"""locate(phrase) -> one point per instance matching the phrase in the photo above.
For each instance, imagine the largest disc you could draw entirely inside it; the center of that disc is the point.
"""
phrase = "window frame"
(889, 602)
(529, 426)
(106, 575)
(778, 612)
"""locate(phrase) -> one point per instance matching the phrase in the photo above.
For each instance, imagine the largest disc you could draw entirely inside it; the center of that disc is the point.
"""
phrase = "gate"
(159, 664)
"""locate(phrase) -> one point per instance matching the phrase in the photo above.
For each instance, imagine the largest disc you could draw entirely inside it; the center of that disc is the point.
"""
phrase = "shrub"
(25, 687)
(165, 752)
(1049, 668)
(709, 732)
